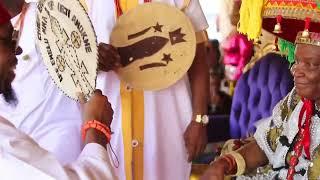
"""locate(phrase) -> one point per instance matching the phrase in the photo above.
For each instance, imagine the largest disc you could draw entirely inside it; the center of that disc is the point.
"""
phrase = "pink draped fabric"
(237, 52)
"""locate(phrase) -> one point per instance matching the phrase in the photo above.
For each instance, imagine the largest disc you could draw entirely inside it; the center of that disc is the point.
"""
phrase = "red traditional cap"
(296, 21)
(4, 15)
(293, 20)
(288, 19)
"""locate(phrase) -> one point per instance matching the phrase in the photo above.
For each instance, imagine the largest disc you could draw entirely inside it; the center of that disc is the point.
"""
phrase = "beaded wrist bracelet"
(98, 126)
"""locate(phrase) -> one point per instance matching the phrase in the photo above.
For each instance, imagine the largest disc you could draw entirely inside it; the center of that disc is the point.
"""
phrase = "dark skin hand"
(97, 108)
(108, 58)
(217, 169)
(195, 135)
(195, 138)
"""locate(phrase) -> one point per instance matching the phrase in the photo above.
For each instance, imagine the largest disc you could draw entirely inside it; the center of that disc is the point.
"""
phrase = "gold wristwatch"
(202, 119)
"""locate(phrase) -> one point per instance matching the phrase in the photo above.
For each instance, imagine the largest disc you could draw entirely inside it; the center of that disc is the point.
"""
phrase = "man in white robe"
(167, 113)
(21, 157)
(43, 112)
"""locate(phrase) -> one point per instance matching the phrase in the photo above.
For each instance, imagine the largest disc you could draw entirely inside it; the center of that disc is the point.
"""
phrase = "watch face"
(198, 119)
(205, 119)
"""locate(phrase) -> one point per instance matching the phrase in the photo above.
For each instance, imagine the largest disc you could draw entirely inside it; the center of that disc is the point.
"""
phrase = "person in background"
(237, 50)
(42, 111)
(168, 116)
(220, 102)
(213, 53)
(288, 141)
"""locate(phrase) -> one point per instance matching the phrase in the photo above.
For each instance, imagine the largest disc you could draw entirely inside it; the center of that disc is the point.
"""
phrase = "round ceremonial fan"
(157, 45)
(68, 45)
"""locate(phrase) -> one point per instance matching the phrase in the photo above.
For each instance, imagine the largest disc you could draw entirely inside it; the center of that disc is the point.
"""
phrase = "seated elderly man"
(22, 158)
(289, 139)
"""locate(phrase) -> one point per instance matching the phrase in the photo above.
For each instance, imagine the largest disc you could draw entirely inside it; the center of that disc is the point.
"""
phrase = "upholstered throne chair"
(257, 92)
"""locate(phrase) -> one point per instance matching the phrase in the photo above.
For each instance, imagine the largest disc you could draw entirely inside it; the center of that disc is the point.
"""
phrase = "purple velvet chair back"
(257, 92)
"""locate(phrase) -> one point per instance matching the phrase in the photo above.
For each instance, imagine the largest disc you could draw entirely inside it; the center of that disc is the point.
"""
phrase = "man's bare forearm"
(253, 156)
(199, 81)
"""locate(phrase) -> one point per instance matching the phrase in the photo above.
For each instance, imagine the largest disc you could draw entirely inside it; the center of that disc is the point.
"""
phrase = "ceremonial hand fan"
(157, 45)
(67, 42)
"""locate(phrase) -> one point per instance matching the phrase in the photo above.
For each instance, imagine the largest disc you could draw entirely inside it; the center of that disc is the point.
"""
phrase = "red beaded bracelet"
(98, 126)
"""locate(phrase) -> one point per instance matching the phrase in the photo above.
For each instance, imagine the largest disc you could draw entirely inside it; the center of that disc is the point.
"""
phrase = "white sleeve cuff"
(196, 16)
(96, 151)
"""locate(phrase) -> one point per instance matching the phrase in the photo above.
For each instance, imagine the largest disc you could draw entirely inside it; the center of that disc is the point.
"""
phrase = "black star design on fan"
(176, 36)
(157, 27)
(167, 58)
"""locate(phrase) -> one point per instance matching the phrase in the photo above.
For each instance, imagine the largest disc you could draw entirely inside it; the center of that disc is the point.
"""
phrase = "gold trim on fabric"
(308, 40)
(132, 106)
(138, 133)
(126, 102)
(298, 12)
